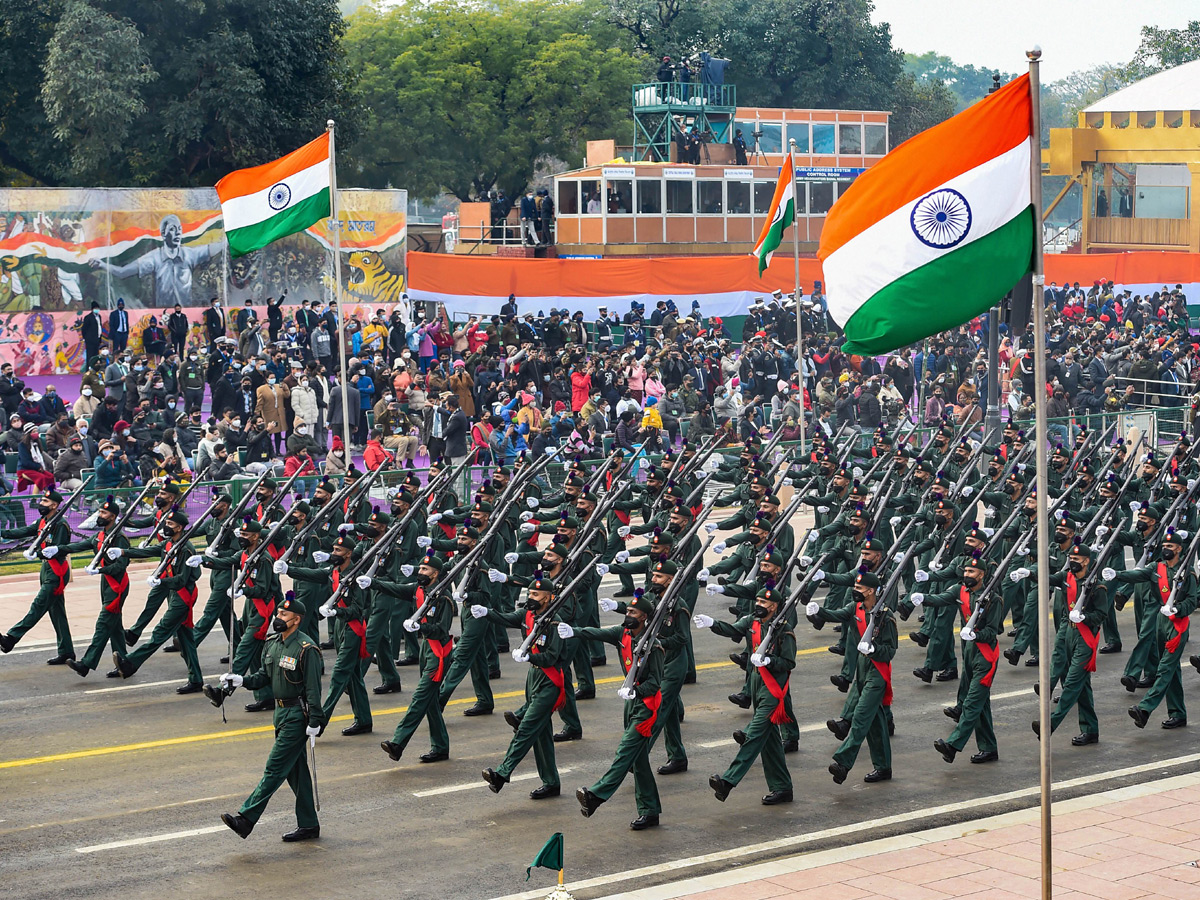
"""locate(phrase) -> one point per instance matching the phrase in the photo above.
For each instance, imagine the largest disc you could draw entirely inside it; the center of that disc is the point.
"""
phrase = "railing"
(673, 93)
(1141, 232)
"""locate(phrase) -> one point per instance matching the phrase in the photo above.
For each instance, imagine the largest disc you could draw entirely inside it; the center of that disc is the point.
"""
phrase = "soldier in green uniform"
(164, 501)
(545, 693)
(642, 703)
(432, 621)
(179, 577)
(873, 683)
(769, 688)
(1142, 665)
(309, 555)
(220, 579)
(291, 669)
(52, 580)
(1167, 576)
(406, 553)
(114, 587)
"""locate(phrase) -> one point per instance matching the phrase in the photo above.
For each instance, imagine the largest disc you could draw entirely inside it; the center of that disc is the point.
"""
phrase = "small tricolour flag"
(781, 214)
(936, 232)
(276, 199)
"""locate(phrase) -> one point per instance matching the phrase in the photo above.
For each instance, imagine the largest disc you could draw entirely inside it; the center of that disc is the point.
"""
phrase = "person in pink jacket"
(427, 350)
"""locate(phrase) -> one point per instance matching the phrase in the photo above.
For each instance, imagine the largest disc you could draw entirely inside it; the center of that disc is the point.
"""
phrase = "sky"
(1073, 34)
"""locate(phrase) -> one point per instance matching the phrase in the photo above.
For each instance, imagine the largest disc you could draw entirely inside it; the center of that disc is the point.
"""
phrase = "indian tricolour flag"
(276, 199)
(781, 214)
(938, 231)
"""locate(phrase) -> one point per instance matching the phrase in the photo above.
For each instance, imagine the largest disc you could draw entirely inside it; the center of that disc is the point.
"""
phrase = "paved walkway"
(1136, 842)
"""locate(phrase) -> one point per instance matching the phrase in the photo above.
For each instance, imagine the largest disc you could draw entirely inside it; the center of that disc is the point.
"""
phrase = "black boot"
(720, 787)
(494, 780)
(238, 823)
(948, 752)
(303, 834)
(925, 674)
(588, 802)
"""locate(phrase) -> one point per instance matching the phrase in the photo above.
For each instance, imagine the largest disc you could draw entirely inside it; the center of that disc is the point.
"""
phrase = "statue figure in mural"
(171, 264)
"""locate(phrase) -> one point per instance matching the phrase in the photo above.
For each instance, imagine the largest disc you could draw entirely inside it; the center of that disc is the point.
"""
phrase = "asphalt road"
(113, 790)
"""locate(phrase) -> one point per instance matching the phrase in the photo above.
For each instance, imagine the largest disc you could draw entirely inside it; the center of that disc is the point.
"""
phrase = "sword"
(312, 768)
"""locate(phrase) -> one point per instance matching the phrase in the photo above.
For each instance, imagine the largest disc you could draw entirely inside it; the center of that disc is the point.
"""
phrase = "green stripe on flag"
(944, 293)
(774, 235)
(295, 218)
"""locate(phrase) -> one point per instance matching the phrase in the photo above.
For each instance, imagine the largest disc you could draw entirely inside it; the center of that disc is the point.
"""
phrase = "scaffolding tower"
(663, 109)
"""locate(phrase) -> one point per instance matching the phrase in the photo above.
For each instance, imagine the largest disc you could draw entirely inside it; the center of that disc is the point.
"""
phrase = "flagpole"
(1043, 525)
(336, 228)
(791, 160)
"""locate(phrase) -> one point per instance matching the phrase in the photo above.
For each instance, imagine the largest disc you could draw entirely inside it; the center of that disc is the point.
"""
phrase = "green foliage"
(918, 104)
(1163, 48)
(968, 84)
(464, 97)
(1063, 100)
(172, 93)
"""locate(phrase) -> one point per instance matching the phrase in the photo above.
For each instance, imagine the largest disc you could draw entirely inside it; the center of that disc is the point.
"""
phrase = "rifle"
(666, 605)
(57, 517)
(178, 504)
(348, 491)
(177, 548)
(881, 601)
(967, 632)
(1083, 452)
(1096, 569)
(235, 514)
(126, 513)
(1109, 504)
(546, 618)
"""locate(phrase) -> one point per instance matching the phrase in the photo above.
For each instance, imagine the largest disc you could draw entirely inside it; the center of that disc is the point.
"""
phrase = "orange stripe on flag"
(980, 132)
(259, 178)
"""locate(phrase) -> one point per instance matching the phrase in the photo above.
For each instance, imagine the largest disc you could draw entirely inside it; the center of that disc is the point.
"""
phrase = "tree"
(1063, 100)
(967, 83)
(464, 97)
(918, 104)
(1163, 48)
(125, 92)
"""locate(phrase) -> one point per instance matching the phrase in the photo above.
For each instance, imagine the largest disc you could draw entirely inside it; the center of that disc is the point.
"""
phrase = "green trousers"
(379, 641)
(171, 625)
(535, 731)
(47, 603)
(217, 609)
(1077, 686)
(1112, 633)
(668, 723)
(570, 711)
(247, 657)
(108, 631)
(975, 700)
(1168, 683)
(1014, 601)
(425, 704)
(633, 755)
(287, 761)
(402, 610)
(470, 655)
(1027, 631)
(762, 739)
(1143, 659)
(867, 722)
(940, 654)
(349, 669)
(154, 601)
(847, 708)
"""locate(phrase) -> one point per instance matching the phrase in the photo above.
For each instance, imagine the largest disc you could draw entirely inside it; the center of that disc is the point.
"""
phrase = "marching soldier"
(114, 587)
(220, 578)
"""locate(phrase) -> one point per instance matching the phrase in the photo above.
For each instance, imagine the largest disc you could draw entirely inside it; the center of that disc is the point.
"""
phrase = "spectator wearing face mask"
(335, 462)
(270, 403)
(85, 404)
(114, 469)
(69, 466)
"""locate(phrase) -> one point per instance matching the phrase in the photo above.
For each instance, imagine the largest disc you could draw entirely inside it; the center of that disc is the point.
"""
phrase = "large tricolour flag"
(276, 199)
(781, 214)
(938, 231)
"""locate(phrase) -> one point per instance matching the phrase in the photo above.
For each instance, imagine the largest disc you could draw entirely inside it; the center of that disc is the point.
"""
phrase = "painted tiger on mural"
(371, 281)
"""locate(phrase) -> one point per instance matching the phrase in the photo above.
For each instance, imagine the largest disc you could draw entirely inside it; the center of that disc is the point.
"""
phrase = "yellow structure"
(1136, 156)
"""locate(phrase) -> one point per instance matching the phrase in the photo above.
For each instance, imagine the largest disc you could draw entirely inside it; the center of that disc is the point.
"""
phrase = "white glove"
(759, 661)
(519, 656)
(626, 693)
(818, 575)
(602, 569)
(813, 537)
(117, 552)
(363, 581)
(30, 553)
(510, 558)
(1168, 611)
(1101, 530)
(195, 559)
(1108, 573)
(623, 531)
(713, 589)
(622, 556)
(90, 571)
(153, 582)
(495, 576)
(525, 516)
(916, 599)
(857, 472)
(1135, 505)
(231, 679)
(897, 558)
(866, 648)
(49, 550)
(407, 569)
(935, 565)
(710, 527)
(210, 552)
(565, 631)
(702, 621)
(528, 528)
(532, 502)
(806, 561)
(1018, 574)
(719, 547)
(460, 597)
(279, 567)
(327, 612)
(1191, 483)
(424, 542)
(345, 528)
(988, 531)
(608, 605)
(812, 608)
(966, 634)
(434, 518)
(988, 512)
(479, 612)
(895, 521)
(1183, 534)
(790, 482)
(822, 509)
(412, 625)
(312, 731)
(921, 576)
(1076, 616)
(320, 556)
(967, 490)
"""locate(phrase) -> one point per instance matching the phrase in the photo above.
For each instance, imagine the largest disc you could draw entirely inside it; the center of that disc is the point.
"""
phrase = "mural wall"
(63, 249)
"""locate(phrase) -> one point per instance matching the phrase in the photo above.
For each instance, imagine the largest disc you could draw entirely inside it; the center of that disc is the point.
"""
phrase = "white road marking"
(131, 687)
(151, 839)
(455, 788)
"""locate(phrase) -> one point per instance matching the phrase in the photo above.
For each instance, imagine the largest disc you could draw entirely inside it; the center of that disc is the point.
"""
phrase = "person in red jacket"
(374, 455)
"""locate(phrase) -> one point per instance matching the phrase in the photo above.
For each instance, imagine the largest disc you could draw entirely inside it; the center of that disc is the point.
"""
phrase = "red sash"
(860, 619)
(438, 648)
(119, 587)
(623, 517)
(266, 609)
(964, 603)
(447, 530)
(556, 675)
(1179, 623)
(187, 595)
(651, 703)
(359, 627)
(1091, 638)
(1004, 452)
(884, 669)
(991, 652)
(779, 715)
(60, 567)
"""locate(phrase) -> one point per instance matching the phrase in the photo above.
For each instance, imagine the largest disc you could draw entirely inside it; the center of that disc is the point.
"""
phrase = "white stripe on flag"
(251, 209)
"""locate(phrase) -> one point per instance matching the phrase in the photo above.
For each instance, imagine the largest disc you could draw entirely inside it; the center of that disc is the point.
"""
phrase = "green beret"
(867, 579)
(434, 562)
(380, 518)
(268, 483)
(568, 522)
(642, 603)
(170, 487)
(179, 518)
(253, 525)
(468, 531)
(302, 507)
(292, 605)
(669, 566)
(770, 594)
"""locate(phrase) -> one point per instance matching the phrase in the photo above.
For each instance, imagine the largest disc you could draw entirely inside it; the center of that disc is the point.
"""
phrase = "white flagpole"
(791, 160)
(336, 227)
(1043, 524)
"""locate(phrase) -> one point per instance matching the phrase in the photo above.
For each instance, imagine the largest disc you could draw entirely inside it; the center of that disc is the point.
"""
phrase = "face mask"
(339, 453)
(1168, 554)
(171, 404)
(125, 432)
(139, 368)
(1060, 536)
(971, 583)
(278, 625)
(761, 612)
(244, 542)
(629, 623)
(424, 580)
(1075, 567)
(193, 357)
(87, 392)
(271, 380)
(43, 509)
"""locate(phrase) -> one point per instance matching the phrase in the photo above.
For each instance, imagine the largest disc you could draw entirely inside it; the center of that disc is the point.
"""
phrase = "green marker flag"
(549, 857)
